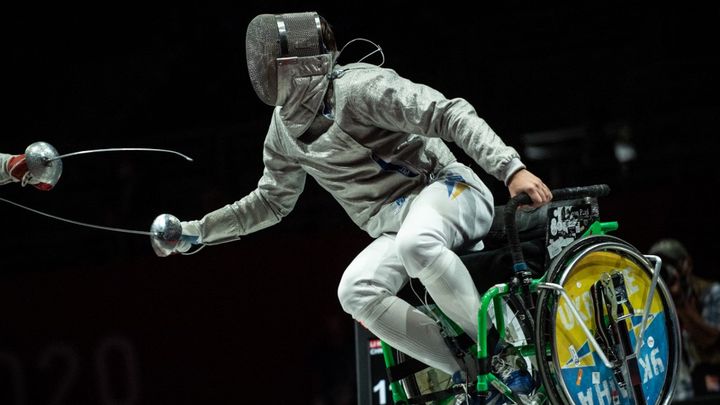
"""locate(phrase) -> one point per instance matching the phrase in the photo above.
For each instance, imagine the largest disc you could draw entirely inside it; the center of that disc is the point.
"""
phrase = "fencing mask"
(282, 47)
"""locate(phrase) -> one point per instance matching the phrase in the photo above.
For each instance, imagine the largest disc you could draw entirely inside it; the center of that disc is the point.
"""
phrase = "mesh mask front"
(270, 37)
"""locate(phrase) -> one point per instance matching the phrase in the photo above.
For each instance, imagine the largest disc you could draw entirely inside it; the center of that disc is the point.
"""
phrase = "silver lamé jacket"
(384, 145)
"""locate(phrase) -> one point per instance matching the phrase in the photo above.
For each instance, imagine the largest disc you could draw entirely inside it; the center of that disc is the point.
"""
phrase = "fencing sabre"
(45, 165)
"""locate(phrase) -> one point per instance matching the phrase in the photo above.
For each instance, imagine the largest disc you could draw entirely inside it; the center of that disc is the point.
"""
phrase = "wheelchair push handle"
(569, 193)
(560, 194)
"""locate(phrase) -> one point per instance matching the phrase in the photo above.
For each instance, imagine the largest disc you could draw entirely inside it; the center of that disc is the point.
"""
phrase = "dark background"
(88, 316)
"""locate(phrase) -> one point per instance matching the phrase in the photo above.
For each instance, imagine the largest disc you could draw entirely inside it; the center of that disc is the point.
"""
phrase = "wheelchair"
(585, 311)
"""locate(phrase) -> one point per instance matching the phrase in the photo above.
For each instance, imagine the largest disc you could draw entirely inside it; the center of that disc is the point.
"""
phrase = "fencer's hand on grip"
(17, 168)
(171, 236)
(190, 236)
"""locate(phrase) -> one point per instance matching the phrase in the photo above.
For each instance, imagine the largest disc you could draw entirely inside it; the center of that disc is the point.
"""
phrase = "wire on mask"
(377, 49)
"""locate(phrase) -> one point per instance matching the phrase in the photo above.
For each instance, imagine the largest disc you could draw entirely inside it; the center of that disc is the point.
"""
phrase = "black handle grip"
(569, 193)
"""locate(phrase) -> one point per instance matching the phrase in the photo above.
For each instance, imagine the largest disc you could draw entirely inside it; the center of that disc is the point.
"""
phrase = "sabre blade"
(89, 151)
(104, 228)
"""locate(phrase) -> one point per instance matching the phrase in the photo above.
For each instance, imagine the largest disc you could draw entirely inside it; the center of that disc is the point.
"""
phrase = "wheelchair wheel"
(570, 367)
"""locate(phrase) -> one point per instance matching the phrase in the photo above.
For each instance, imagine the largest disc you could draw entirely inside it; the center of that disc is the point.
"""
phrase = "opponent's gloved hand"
(17, 168)
(168, 245)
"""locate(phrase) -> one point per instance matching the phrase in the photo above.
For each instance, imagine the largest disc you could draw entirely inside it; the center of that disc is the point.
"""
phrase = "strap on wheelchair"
(438, 396)
(433, 396)
(460, 345)
(405, 369)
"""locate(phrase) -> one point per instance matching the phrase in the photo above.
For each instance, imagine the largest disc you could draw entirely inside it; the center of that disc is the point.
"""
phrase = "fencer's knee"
(417, 250)
(347, 296)
(362, 299)
(353, 297)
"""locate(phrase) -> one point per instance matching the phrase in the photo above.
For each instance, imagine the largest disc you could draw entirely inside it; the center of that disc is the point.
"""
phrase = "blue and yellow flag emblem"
(455, 185)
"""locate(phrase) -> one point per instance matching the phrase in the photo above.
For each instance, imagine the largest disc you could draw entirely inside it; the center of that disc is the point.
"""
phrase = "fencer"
(376, 142)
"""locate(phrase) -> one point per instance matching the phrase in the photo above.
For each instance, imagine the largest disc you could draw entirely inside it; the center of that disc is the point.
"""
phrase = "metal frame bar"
(648, 301)
(576, 314)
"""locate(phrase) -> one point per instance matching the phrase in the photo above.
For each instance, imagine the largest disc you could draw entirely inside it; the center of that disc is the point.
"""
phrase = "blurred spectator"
(698, 305)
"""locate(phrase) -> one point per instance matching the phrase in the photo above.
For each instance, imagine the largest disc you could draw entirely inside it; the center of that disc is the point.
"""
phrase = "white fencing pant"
(452, 212)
